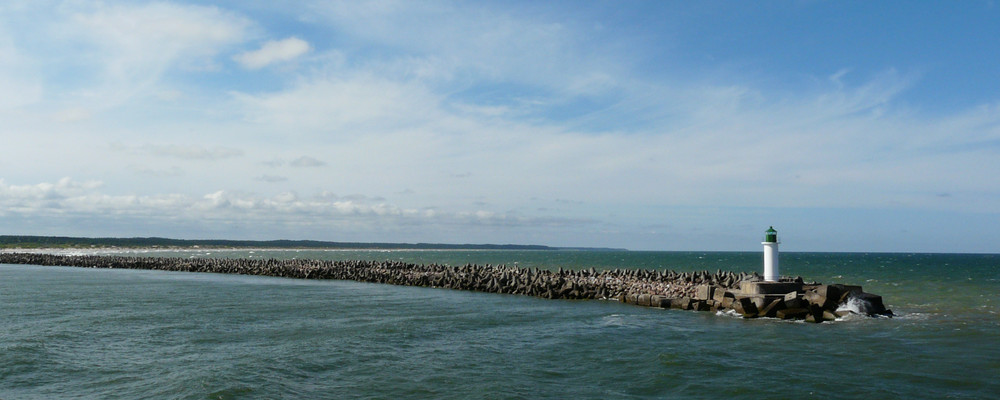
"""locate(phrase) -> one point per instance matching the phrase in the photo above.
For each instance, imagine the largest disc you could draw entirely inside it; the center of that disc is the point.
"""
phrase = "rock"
(683, 303)
(848, 288)
(792, 313)
(666, 302)
(824, 296)
(643, 300)
(719, 294)
(771, 310)
(745, 307)
(727, 302)
(794, 300)
(872, 304)
(818, 314)
(704, 292)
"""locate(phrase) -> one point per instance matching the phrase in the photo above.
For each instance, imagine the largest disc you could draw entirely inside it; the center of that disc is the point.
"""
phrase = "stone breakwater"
(704, 291)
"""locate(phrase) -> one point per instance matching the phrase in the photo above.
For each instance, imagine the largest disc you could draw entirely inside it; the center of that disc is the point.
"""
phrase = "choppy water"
(84, 333)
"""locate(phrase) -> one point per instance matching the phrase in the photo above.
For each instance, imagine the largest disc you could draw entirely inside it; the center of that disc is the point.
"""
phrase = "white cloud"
(730, 145)
(306, 162)
(133, 46)
(75, 114)
(271, 178)
(192, 152)
(20, 84)
(28, 197)
(273, 51)
(287, 212)
(492, 43)
(342, 104)
(173, 171)
(160, 33)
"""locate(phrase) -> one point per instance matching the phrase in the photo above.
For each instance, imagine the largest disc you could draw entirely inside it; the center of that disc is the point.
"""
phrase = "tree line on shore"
(52, 242)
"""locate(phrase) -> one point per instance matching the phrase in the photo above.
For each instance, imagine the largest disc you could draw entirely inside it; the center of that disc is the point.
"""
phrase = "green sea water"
(72, 333)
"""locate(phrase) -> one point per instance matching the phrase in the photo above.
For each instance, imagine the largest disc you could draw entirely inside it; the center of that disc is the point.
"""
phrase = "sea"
(78, 333)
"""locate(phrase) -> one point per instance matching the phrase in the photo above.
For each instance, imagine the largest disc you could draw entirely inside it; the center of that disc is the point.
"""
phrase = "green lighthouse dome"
(771, 235)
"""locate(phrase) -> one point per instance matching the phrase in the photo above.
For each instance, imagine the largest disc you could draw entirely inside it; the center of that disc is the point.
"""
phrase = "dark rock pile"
(789, 299)
(669, 289)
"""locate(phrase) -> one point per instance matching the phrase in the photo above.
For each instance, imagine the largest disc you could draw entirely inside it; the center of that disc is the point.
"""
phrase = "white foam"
(856, 305)
(613, 320)
(917, 316)
(851, 317)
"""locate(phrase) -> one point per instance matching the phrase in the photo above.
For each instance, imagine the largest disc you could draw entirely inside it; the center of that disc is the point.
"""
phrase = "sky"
(849, 126)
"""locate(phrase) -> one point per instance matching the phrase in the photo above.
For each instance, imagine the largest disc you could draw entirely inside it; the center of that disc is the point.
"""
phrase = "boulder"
(664, 302)
(704, 292)
(727, 302)
(745, 307)
(848, 288)
(794, 300)
(720, 294)
(818, 314)
(771, 310)
(792, 313)
(810, 286)
(683, 303)
(825, 296)
(872, 304)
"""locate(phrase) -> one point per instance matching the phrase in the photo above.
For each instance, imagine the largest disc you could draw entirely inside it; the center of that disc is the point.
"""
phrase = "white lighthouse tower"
(771, 255)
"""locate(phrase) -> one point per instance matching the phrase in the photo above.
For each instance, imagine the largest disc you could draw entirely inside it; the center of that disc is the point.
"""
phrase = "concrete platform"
(775, 288)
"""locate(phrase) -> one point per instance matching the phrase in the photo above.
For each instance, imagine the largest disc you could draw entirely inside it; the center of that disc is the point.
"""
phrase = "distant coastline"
(57, 242)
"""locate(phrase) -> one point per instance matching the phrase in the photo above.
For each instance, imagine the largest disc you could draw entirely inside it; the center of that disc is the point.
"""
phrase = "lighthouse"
(771, 255)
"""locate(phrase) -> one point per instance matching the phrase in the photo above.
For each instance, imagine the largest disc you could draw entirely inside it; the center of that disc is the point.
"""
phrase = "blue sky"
(660, 125)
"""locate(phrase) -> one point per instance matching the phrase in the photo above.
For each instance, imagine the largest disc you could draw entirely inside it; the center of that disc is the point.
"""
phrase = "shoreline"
(127, 250)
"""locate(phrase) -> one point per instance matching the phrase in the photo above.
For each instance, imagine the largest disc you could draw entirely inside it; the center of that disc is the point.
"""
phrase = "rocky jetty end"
(741, 293)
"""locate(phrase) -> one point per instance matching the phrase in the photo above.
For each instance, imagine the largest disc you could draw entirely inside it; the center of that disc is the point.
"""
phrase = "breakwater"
(742, 293)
